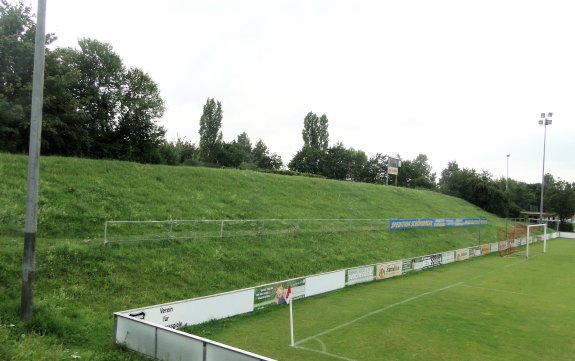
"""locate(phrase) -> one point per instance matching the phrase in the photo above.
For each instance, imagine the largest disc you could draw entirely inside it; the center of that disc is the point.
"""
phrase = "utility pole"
(31, 222)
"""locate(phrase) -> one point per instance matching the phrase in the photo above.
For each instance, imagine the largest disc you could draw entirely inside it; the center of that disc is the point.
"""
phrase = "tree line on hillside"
(96, 107)
(318, 158)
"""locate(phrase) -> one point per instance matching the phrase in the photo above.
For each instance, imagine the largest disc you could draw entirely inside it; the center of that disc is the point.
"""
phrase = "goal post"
(532, 239)
(510, 240)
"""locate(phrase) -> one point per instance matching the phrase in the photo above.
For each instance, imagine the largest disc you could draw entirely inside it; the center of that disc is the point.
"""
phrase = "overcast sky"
(457, 80)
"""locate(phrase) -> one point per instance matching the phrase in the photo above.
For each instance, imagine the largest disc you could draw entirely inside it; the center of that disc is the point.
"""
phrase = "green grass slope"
(80, 282)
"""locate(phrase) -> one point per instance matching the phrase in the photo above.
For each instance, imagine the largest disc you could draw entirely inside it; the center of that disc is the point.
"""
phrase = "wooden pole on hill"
(31, 222)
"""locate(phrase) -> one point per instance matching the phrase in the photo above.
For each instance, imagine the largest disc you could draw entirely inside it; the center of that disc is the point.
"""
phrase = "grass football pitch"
(487, 308)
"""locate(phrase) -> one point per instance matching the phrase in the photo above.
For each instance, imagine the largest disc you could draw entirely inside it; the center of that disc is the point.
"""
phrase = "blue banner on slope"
(397, 224)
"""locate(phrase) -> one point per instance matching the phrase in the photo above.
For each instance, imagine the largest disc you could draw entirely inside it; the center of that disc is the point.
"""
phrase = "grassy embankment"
(80, 283)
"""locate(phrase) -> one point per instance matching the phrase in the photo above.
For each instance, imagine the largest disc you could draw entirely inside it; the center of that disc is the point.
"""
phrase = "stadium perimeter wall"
(153, 332)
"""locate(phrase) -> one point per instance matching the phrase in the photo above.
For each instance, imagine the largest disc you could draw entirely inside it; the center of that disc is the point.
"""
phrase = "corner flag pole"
(291, 321)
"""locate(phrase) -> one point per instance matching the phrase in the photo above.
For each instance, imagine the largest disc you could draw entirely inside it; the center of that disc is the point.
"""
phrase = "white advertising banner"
(360, 275)
(448, 257)
(475, 251)
(389, 269)
(462, 254)
(198, 310)
(324, 283)
(494, 247)
(420, 263)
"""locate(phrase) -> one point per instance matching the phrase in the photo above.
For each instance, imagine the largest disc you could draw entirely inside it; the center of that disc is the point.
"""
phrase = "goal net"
(510, 241)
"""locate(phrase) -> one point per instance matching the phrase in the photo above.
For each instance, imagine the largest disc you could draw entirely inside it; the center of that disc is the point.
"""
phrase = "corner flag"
(288, 295)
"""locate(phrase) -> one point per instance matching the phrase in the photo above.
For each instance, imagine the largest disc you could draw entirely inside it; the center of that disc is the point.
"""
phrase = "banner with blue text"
(397, 224)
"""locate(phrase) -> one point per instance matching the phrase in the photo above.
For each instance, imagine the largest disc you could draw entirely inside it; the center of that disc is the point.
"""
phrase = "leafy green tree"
(344, 163)
(451, 179)
(231, 154)
(416, 173)
(358, 166)
(562, 200)
(17, 36)
(136, 134)
(187, 151)
(96, 102)
(315, 145)
(315, 133)
(93, 105)
(477, 188)
(337, 162)
(210, 134)
(307, 160)
(376, 169)
(245, 145)
(264, 159)
(65, 130)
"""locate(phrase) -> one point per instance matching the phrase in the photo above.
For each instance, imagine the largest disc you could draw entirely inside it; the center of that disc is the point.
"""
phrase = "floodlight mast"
(507, 175)
(545, 120)
(31, 221)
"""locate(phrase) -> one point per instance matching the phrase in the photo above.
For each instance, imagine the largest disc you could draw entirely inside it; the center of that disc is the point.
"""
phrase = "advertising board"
(420, 263)
(389, 269)
(462, 254)
(399, 224)
(359, 275)
(276, 293)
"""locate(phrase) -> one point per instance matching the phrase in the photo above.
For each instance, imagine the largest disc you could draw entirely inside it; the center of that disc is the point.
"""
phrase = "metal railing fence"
(130, 231)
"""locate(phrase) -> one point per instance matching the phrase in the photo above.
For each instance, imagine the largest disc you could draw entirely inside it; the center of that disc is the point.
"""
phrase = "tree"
(136, 134)
(315, 145)
(65, 130)
(562, 200)
(307, 160)
(315, 134)
(17, 36)
(100, 108)
(376, 169)
(210, 134)
(449, 183)
(263, 159)
(337, 162)
(479, 189)
(93, 105)
(231, 154)
(358, 166)
(416, 173)
(245, 145)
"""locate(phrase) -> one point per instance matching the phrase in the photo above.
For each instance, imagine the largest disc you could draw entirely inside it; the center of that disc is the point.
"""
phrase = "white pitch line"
(324, 353)
(322, 344)
(316, 337)
(496, 290)
(343, 325)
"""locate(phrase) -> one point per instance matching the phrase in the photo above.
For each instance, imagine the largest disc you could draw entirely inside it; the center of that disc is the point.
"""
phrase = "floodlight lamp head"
(540, 121)
(542, 115)
(549, 115)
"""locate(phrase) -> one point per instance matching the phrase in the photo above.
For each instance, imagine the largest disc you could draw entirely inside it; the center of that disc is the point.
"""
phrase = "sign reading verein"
(398, 224)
